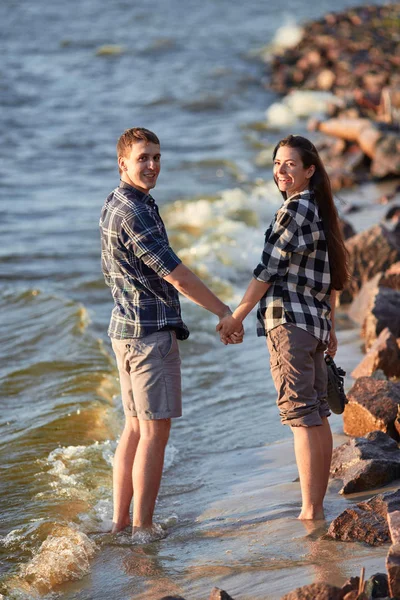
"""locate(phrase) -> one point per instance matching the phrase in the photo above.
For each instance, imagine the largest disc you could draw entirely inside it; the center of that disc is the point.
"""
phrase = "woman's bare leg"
(313, 450)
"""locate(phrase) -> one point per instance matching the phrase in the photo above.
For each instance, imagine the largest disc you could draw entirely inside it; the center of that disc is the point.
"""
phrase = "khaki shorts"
(299, 373)
(150, 375)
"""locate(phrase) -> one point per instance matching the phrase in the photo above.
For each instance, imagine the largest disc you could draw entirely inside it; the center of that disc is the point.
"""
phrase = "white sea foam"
(171, 454)
(64, 556)
(305, 103)
(13, 537)
(75, 471)
(279, 115)
(287, 36)
(227, 233)
(299, 104)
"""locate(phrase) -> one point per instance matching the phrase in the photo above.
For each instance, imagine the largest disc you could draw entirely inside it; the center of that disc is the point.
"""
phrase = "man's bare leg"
(122, 473)
(313, 450)
(147, 470)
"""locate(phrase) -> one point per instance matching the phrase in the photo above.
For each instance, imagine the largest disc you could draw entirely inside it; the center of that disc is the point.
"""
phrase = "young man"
(145, 276)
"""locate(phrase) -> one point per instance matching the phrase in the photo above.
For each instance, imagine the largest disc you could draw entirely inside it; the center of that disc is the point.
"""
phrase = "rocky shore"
(356, 56)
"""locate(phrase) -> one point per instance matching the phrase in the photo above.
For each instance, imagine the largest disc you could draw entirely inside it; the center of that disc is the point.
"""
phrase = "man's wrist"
(226, 312)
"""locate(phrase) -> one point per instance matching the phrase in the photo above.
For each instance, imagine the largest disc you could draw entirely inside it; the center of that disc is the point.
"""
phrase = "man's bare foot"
(145, 535)
(117, 527)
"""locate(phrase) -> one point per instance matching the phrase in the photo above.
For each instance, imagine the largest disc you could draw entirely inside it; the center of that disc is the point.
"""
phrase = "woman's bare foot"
(311, 514)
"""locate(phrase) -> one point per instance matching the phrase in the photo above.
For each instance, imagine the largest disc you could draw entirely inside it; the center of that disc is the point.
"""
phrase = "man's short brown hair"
(132, 136)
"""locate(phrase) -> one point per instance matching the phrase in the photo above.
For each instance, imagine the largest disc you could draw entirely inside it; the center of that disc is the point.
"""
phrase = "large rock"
(384, 311)
(315, 591)
(384, 354)
(361, 303)
(372, 405)
(365, 463)
(370, 252)
(391, 278)
(393, 570)
(394, 516)
(365, 522)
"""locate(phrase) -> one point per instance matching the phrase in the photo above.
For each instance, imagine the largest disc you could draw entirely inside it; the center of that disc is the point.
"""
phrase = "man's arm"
(188, 284)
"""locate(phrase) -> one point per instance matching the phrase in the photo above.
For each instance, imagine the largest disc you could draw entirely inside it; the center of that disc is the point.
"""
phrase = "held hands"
(230, 330)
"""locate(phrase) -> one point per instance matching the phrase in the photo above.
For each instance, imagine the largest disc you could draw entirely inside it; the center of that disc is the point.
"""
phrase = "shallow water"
(228, 500)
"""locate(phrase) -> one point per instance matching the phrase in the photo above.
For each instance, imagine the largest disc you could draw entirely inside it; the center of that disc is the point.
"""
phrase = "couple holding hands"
(303, 264)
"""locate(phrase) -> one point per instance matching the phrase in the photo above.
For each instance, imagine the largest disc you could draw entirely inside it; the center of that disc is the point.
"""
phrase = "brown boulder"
(372, 405)
(366, 463)
(361, 303)
(384, 354)
(391, 278)
(393, 570)
(370, 252)
(364, 522)
(394, 516)
(351, 585)
(384, 312)
(315, 591)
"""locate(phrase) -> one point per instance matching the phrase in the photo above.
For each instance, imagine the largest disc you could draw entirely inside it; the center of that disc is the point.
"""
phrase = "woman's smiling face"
(289, 173)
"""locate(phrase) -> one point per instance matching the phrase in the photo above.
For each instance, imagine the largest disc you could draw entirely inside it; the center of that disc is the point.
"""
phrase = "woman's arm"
(255, 291)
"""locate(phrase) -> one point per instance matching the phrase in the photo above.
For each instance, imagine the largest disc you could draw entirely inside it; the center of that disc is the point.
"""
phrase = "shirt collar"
(309, 194)
(139, 195)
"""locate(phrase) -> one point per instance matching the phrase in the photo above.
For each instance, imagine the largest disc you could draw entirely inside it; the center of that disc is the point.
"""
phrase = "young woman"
(303, 263)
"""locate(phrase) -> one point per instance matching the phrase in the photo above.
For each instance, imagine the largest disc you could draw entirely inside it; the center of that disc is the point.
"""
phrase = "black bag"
(336, 397)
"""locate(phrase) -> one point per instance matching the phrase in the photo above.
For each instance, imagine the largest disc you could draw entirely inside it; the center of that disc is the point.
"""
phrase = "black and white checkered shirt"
(135, 256)
(295, 261)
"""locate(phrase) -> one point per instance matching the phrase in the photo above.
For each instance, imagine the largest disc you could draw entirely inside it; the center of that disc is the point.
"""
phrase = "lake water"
(73, 76)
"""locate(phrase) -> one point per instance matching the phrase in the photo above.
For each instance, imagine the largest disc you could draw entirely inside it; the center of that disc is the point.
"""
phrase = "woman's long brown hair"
(321, 186)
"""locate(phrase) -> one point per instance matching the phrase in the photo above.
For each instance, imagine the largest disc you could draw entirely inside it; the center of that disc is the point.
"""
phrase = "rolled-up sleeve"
(281, 240)
(141, 235)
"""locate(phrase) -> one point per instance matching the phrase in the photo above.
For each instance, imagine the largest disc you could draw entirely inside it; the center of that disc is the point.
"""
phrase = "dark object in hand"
(336, 397)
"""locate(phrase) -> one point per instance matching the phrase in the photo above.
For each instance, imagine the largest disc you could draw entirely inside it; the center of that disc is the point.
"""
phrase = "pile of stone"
(354, 55)
(356, 49)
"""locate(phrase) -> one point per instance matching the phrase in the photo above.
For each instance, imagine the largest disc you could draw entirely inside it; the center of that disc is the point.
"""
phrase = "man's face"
(142, 166)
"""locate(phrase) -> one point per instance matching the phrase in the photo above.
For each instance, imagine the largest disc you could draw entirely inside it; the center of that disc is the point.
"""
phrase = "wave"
(221, 238)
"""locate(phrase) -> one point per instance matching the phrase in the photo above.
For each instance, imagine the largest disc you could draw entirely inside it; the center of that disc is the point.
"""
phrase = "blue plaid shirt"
(135, 256)
(295, 262)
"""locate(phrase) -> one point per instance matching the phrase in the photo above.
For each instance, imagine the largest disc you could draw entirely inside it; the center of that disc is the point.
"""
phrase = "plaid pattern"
(135, 256)
(295, 261)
